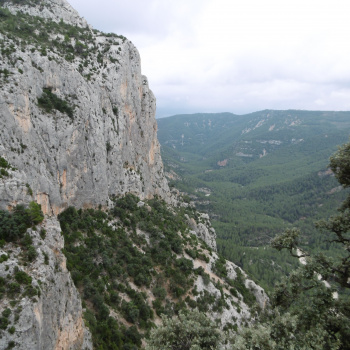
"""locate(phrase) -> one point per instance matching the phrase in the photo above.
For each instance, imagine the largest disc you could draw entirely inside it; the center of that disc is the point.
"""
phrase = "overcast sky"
(235, 56)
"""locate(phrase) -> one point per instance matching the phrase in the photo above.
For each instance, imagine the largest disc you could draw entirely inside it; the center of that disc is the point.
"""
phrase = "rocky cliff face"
(203, 229)
(106, 144)
(54, 10)
(47, 313)
(77, 125)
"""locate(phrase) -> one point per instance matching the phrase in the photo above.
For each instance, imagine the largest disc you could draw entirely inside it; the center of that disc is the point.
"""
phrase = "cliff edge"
(77, 117)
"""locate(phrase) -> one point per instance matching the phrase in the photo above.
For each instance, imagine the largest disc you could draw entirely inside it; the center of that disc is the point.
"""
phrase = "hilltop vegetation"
(256, 174)
(58, 42)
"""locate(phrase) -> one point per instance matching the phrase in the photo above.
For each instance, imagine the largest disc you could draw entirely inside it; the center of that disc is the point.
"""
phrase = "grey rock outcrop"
(203, 229)
(236, 310)
(53, 318)
(107, 147)
(49, 9)
(99, 141)
(261, 297)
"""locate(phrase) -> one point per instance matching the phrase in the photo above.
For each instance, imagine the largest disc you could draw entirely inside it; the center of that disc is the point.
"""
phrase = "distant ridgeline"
(257, 174)
(96, 252)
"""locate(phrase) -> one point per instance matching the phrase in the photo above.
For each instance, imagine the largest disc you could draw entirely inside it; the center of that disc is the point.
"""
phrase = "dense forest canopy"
(310, 308)
(255, 175)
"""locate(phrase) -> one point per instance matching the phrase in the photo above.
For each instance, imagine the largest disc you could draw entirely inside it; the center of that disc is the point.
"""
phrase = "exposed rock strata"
(236, 310)
(50, 9)
(109, 147)
(52, 320)
(203, 229)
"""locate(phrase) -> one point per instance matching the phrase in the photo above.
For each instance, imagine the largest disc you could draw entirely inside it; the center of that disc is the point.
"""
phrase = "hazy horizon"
(210, 56)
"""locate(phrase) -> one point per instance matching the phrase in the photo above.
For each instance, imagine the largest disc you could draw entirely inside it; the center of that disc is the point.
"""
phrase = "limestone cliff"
(107, 145)
(203, 229)
(77, 125)
(48, 313)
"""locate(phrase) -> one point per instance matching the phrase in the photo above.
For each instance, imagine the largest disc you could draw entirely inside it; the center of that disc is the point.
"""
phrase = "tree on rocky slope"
(188, 331)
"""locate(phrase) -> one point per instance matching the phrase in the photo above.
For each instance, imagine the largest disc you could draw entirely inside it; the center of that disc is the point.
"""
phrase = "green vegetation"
(29, 190)
(49, 101)
(107, 255)
(306, 313)
(188, 331)
(17, 284)
(21, 2)
(15, 287)
(13, 228)
(13, 225)
(119, 259)
(4, 166)
(251, 197)
(56, 41)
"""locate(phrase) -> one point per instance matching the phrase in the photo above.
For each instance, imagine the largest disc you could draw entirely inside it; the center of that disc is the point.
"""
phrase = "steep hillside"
(140, 261)
(256, 174)
(130, 265)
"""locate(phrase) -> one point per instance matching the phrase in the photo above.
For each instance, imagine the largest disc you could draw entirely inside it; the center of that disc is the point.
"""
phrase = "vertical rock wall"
(107, 147)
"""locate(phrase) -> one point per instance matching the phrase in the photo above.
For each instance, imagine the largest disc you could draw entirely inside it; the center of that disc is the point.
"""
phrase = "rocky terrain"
(52, 318)
(106, 144)
(78, 129)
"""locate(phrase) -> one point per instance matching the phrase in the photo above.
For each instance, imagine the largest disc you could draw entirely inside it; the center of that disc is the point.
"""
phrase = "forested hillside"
(255, 175)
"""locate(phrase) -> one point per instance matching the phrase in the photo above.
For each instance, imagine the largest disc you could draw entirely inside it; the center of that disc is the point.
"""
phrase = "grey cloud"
(227, 55)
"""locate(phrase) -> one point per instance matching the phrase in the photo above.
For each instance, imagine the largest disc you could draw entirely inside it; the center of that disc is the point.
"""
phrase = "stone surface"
(107, 149)
(236, 311)
(110, 145)
(50, 9)
(203, 229)
(259, 293)
(52, 320)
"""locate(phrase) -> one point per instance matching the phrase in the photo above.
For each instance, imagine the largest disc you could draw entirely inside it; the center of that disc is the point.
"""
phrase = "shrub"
(49, 101)
(4, 163)
(29, 190)
(191, 330)
(42, 233)
(22, 278)
(35, 213)
(31, 253)
(4, 322)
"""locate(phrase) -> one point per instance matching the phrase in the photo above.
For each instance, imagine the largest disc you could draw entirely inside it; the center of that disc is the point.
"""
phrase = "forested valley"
(257, 175)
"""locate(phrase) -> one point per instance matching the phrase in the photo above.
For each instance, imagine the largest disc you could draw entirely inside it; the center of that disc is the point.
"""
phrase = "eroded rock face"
(203, 229)
(107, 147)
(52, 319)
(261, 297)
(50, 9)
(235, 310)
